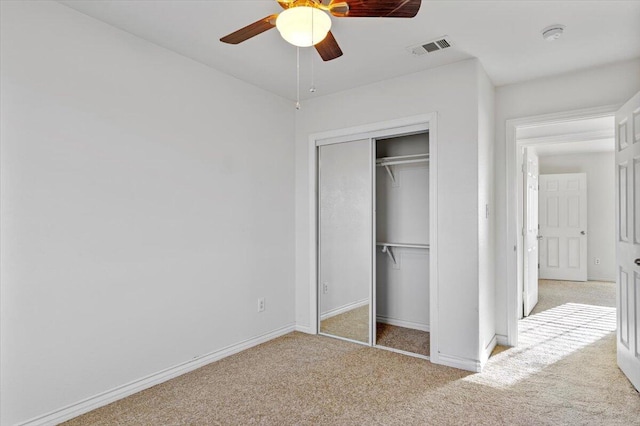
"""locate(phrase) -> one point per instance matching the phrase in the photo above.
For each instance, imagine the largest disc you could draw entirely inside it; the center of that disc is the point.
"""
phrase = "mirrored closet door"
(345, 239)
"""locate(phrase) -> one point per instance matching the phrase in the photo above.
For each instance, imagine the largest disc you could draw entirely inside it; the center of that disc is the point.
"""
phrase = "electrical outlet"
(325, 288)
(596, 260)
(261, 304)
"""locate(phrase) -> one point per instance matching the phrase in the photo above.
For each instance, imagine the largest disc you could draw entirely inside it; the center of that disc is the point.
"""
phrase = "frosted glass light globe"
(303, 26)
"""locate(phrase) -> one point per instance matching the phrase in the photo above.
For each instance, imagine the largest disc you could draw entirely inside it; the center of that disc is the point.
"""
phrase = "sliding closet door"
(345, 209)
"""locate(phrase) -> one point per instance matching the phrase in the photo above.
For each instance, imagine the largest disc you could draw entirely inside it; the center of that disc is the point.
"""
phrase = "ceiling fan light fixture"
(303, 26)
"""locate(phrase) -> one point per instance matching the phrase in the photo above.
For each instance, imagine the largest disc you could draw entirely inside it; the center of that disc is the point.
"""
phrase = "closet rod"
(402, 159)
(423, 246)
(396, 162)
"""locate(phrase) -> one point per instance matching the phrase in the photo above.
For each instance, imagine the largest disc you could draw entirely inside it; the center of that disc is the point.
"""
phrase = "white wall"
(402, 290)
(402, 209)
(486, 213)
(452, 91)
(612, 84)
(601, 212)
(142, 215)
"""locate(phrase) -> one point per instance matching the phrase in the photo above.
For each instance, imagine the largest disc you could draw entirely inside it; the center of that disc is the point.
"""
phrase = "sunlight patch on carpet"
(546, 338)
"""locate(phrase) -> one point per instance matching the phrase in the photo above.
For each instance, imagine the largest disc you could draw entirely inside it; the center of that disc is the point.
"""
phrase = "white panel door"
(563, 227)
(628, 238)
(530, 208)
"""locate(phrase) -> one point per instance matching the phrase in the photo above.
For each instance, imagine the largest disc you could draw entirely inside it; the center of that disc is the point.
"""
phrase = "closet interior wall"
(402, 239)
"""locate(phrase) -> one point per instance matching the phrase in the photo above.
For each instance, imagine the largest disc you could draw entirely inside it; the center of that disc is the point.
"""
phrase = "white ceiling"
(504, 35)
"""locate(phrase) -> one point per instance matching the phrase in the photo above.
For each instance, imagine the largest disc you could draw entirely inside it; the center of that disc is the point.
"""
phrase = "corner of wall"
(486, 212)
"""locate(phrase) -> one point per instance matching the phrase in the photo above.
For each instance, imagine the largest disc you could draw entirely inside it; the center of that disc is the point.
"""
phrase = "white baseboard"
(344, 308)
(304, 329)
(402, 323)
(457, 362)
(486, 352)
(84, 406)
(502, 340)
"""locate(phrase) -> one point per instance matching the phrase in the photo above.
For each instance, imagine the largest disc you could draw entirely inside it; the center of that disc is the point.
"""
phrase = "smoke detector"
(553, 32)
(430, 46)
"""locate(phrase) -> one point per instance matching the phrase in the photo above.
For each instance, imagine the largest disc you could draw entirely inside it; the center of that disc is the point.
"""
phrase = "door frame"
(514, 241)
(397, 127)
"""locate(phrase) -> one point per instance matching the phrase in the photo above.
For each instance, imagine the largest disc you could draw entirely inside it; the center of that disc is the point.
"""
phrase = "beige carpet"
(564, 373)
(406, 339)
(353, 324)
(554, 293)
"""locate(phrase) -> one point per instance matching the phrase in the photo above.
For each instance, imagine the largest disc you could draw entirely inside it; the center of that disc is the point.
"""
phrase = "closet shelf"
(384, 244)
(402, 159)
(386, 248)
(387, 162)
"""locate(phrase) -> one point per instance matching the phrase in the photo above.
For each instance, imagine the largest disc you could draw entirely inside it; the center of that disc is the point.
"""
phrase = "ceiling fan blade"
(379, 8)
(328, 48)
(250, 30)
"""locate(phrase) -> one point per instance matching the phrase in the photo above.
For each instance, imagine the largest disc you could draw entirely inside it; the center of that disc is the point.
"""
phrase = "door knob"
(582, 233)
(539, 237)
(637, 262)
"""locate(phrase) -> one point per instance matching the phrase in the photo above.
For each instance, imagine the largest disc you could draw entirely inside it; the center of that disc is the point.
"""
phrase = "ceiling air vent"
(430, 46)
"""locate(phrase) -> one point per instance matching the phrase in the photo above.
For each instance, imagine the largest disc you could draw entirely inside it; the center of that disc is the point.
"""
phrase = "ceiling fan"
(307, 23)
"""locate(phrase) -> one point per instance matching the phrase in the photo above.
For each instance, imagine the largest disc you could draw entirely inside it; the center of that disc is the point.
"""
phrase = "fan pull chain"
(297, 78)
(312, 89)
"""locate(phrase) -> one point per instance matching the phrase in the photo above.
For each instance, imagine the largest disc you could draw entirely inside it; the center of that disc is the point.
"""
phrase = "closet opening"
(402, 240)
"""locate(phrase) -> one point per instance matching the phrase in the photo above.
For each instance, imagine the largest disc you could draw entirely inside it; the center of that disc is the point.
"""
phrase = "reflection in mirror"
(345, 239)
